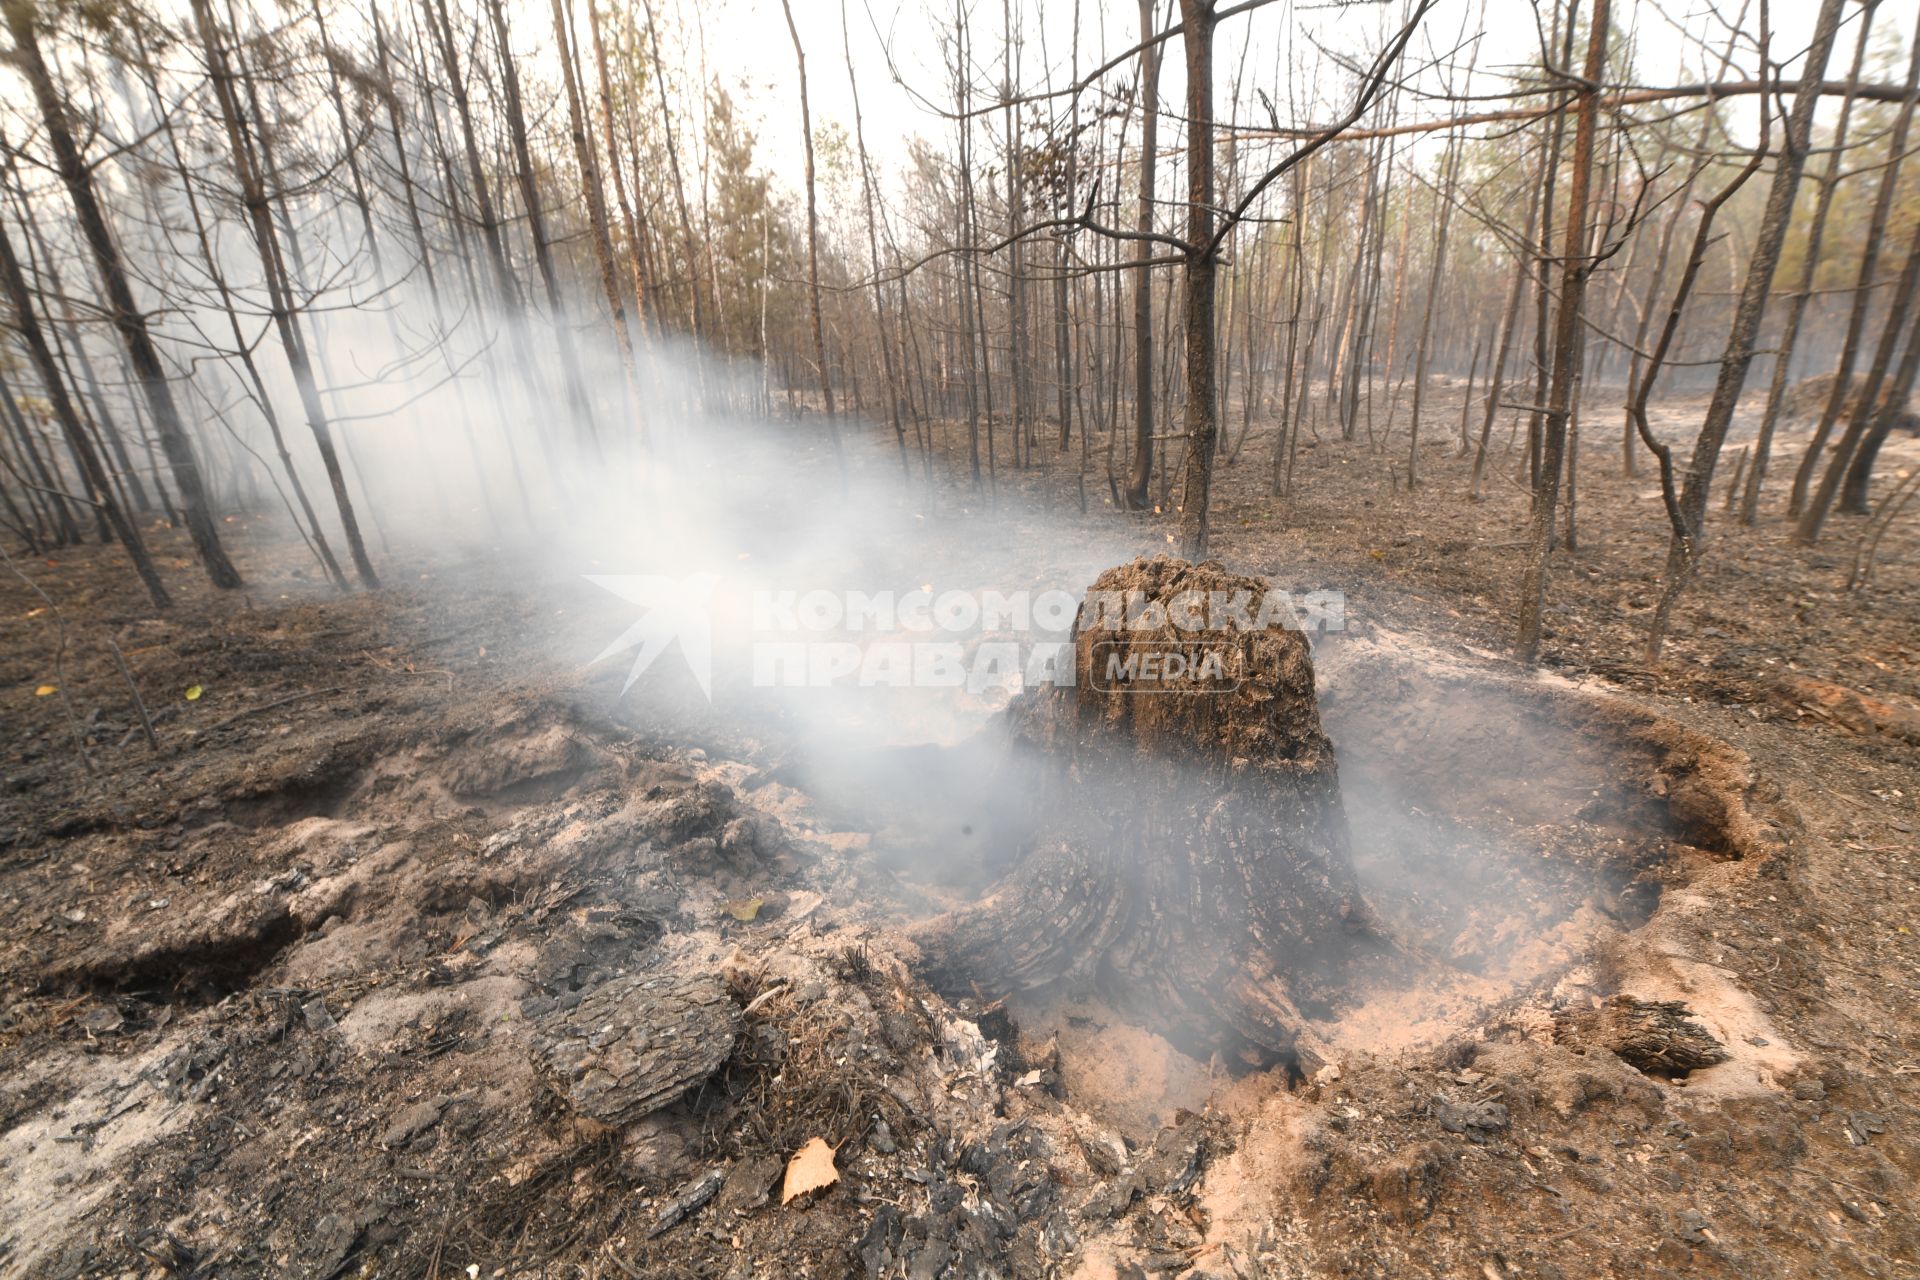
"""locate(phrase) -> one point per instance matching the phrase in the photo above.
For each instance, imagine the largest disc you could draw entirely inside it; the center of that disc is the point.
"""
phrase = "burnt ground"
(281, 998)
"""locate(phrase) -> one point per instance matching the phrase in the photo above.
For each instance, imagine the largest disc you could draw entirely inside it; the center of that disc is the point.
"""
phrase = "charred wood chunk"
(1653, 1035)
(1190, 853)
(635, 1044)
(689, 1199)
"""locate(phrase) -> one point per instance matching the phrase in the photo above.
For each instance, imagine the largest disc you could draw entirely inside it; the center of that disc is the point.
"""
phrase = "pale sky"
(1284, 48)
(747, 43)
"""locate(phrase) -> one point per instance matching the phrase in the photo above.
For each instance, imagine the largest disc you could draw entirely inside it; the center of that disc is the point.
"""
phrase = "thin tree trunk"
(1892, 409)
(1866, 412)
(1810, 264)
(1628, 438)
(195, 505)
(242, 348)
(636, 260)
(1140, 475)
(1201, 266)
(61, 508)
(537, 227)
(506, 285)
(696, 312)
(1684, 548)
(1577, 265)
(813, 233)
(1806, 531)
(279, 292)
(1543, 294)
(94, 472)
(873, 252)
(1451, 168)
(1289, 428)
(1466, 404)
(1018, 389)
(596, 195)
(109, 429)
(1066, 330)
(1813, 513)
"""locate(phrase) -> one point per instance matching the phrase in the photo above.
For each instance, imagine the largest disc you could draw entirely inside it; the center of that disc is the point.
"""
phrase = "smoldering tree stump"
(636, 1043)
(1191, 856)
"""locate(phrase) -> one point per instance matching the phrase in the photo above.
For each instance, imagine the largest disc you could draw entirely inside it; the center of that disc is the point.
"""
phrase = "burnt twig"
(139, 704)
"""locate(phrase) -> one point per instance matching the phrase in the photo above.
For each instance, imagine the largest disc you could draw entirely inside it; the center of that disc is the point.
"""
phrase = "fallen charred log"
(1190, 855)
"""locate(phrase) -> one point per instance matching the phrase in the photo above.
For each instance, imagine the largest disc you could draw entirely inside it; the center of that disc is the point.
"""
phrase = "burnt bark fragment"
(1191, 854)
(637, 1043)
(1652, 1035)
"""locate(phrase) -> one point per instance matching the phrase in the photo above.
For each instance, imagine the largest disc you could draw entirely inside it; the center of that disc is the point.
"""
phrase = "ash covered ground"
(306, 992)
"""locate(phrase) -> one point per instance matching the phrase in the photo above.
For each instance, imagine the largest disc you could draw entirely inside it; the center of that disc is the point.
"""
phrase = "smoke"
(695, 516)
(741, 518)
(691, 475)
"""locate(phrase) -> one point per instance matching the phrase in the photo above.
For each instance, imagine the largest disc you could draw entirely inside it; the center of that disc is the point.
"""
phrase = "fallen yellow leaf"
(745, 909)
(810, 1169)
(46, 691)
(193, 692)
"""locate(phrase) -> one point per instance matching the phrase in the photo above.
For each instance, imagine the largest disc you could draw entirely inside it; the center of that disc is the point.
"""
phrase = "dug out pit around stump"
(1275, 872)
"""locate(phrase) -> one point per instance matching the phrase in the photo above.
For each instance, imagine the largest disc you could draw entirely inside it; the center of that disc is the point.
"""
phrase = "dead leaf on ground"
(810, 1169)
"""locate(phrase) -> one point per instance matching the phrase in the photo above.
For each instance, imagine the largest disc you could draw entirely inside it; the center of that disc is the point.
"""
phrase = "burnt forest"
(959, 639)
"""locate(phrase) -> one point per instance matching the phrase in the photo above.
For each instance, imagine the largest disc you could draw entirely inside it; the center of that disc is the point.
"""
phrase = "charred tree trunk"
(22, 23)
(537, 227)
(1891, 410)
(1689, 515)
(813, 235)
(1807, 530)
(1872, 406)
(873, 254)
(1202, 268)
(94, 471)
(597, 216)
(1578, 265)
(1140, 475)
(279, 287)
(1809, 265)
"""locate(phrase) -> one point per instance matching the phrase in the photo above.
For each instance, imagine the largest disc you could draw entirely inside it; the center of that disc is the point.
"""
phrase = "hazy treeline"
(368, 262)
